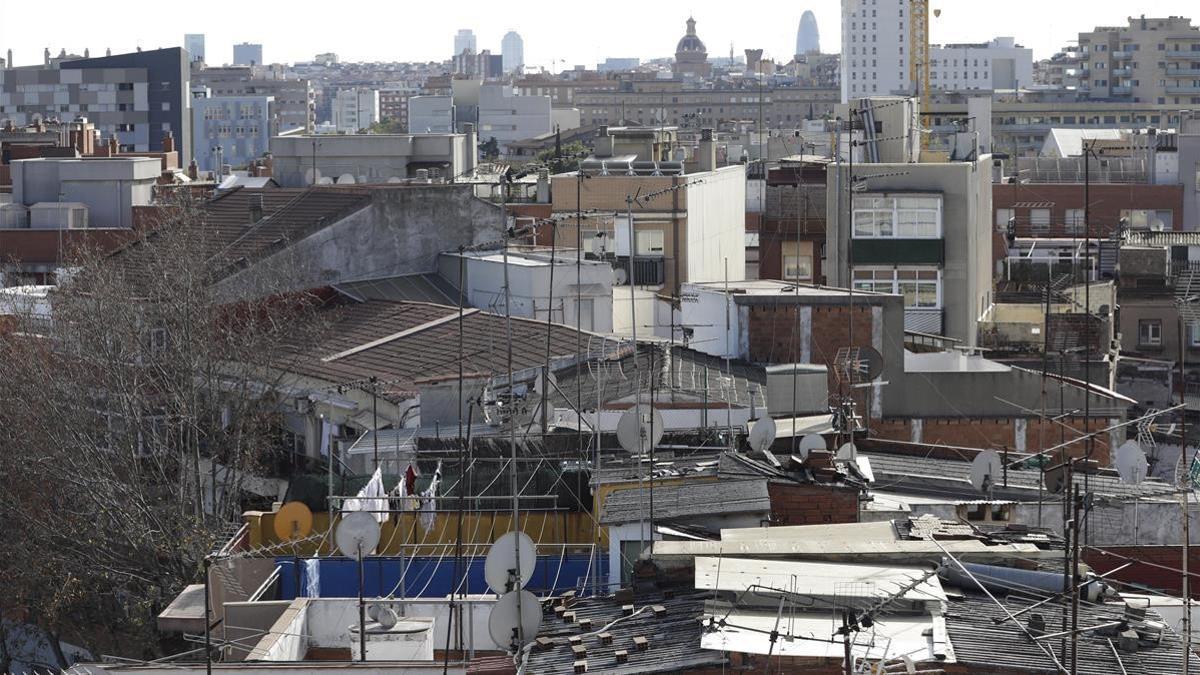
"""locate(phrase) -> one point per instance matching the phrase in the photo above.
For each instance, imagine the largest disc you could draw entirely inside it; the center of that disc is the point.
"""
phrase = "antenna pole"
(375, 418)
(637, 375)
(362, 610)
(512, 411)
(207, 620)
(1075, 500)
(1186, 484)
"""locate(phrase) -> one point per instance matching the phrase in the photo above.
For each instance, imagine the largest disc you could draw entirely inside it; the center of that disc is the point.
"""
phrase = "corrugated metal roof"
(979, 639)
(913, 472)
(689, 499)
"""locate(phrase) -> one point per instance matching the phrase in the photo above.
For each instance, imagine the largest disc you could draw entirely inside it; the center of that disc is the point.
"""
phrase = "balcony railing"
(1122, 90)
(1183, 72)
(1122, 72)
(1183, 89)
(921, 320)
(647, 271)
(1121, 55)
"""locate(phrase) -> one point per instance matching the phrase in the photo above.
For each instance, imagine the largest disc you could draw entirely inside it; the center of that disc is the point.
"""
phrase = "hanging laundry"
(428, 501)
(371, 497)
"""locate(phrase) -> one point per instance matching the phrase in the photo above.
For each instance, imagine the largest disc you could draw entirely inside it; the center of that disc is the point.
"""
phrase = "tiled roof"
(673, 638)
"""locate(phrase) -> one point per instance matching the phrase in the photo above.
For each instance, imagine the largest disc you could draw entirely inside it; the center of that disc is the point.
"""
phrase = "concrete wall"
(378, 157)
(430, 114)
(508, 117)
(109, 187)
(966, 228)
(401, 232)
(716, 226)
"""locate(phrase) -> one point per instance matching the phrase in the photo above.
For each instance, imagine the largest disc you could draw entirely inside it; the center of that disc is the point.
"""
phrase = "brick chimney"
(168, 142)
(193, 170)
(113, 146)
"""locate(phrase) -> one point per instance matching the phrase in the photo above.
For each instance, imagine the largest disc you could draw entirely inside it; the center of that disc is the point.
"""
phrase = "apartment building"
(1150, 60)
(230, 130)
(355, 109)
(918, 229)
(293, 104)
(671, 103)
(247, 54)
(998, 64)
(875, 46)
(393, 106)
(137, 98)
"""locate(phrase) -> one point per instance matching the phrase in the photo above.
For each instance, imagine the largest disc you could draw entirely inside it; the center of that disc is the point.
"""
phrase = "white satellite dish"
(762, 434)
(346, 179)
(308, 176)
(502, 561)
(640, 428)
(986, 469)
(847, 453)
(1055, 479)
(508, 615)
(324, 180)
(1131, 463)
(809, 443)
(387, 618)
(357, 535)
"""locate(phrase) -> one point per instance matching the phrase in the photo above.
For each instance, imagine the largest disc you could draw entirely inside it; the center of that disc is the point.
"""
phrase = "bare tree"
(116, 415)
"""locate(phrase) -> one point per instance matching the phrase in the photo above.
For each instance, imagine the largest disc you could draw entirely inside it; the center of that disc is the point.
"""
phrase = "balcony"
(1122, 90)
(647, 271)
(1182, 55)
(1183, 72)
(888, 251)
(1183, 89)
(1122, 72)
(1121, 55)
(919, 320)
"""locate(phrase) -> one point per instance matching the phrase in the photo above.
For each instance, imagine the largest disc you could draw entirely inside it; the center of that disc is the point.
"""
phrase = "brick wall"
(812, 504)
(1107, 202)
(996, 433)
(1149, 568)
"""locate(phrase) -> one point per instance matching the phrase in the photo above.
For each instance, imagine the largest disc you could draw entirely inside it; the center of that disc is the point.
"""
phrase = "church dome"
(690, 42)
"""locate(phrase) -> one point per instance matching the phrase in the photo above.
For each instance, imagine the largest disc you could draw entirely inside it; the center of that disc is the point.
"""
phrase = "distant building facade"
(1150, 60)
(998, 64)
(194, 44)
(138, 97)
(247, 54)
(512, 49)
(808, 38)
(691, 56)
(464, 41)
(293, 103)
(355, 108)
(875, 59)
(239, 126)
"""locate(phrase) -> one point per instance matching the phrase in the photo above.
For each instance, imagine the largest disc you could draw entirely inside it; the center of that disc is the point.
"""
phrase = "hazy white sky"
(576, 33)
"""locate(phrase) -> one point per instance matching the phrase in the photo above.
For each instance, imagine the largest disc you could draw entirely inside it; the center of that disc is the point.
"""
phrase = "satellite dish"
(373, 610)
(293, 521)
(762, 434)
(1055, 479)
(324, 180)
(847, 453)
(809, 443)
(387, 618)
(640, 428)
(870, 363)
(1131, 463)
(622, 276)
(985, 469)
(346, 179)
(357, 535)
(308, 176)
(509, 614)
(502, 557)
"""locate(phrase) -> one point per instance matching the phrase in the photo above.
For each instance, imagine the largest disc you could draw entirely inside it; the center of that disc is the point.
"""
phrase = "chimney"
(256, 208)
(543, 186)
(193, 170)
(706, 159)
(472, 150)
(168, 142)
(269, 165)
(113, 147)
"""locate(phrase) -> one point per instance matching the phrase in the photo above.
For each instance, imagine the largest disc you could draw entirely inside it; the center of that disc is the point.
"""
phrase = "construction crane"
(919, 53)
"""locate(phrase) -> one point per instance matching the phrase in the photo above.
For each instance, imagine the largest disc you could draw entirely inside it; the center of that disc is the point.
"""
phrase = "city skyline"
(428, 37)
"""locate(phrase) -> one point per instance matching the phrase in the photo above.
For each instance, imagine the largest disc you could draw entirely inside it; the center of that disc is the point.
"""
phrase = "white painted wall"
(716, 225)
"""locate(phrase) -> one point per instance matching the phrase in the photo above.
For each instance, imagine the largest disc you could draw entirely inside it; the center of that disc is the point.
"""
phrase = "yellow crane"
(918, 51)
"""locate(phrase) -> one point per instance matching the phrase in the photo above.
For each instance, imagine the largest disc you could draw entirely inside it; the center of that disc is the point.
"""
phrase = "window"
(1074, 221)
(903, 217)
(1150, 333)
(797, 261)
(1193, 333)
(920, 286)
(1149, 218)
(1039, 221)
(125, 86)
(650, 242)
(1002, 218)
